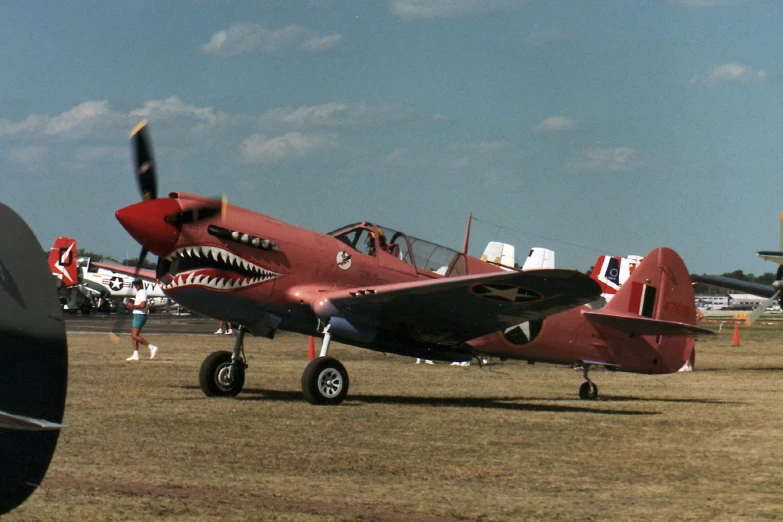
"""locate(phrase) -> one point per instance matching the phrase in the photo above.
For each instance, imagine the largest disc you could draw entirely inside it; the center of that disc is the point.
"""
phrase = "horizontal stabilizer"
(640, 325)
(775, 257)
(10, 421)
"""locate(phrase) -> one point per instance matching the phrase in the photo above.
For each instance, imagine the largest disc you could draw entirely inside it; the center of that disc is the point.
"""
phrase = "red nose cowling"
(145, 221)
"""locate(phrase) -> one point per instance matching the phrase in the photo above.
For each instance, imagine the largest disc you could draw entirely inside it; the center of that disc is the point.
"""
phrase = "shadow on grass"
(732, 370)
(503, 403)
(628, 398)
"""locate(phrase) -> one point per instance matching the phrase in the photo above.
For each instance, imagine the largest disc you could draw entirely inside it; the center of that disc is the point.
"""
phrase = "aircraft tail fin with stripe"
(610, 272)
(62, 261)
(657, 300)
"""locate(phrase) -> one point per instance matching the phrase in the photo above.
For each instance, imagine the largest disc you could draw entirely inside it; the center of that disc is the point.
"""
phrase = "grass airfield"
(508, 441)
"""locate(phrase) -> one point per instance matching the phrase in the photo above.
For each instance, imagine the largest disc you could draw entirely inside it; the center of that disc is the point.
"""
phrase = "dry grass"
(508, 442)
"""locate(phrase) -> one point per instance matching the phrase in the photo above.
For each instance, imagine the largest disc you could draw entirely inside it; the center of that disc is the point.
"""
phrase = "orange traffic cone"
(736, 335)
(311, 349)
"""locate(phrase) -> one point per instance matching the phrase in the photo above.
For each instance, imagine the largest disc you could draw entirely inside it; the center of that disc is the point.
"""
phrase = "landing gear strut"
(222, 373)
(325, 380)
(588, 391)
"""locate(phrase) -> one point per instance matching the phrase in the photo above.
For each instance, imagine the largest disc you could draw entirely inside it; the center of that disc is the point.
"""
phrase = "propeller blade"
(142, 257)
(144, 162)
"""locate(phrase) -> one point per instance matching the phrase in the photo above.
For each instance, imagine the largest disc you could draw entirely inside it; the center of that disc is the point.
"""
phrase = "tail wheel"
(325, 381)
(588, 391)
(216, 377)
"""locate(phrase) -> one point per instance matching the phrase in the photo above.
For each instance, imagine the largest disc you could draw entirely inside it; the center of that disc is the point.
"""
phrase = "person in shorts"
(139, 309)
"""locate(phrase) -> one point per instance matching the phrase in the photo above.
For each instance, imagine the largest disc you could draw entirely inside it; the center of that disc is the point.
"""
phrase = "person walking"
(139, 308)
(224, 328)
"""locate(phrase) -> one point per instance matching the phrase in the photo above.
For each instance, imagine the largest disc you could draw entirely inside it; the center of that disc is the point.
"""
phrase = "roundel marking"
(116, 283)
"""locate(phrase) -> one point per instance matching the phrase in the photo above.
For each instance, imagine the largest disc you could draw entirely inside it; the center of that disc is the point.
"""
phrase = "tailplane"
(657, 300)
(62, 261)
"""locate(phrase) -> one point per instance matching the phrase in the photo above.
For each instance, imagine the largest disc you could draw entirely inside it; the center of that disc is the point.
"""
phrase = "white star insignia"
(502, 292)
(115, 283)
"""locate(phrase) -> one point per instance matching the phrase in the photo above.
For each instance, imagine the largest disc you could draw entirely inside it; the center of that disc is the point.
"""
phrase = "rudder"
(660, 290)
(62, 261)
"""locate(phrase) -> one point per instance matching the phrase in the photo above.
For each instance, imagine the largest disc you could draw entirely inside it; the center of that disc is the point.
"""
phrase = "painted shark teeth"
(251, 274)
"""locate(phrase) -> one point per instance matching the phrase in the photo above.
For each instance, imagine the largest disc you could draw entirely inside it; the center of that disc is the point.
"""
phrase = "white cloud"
(730, 72)
(82, 115)
(32, 123)
(172, 107)
(614, 159)
(555, 124)
(321, 43)
(293, 145)
(432, 9)
(335, 115)
(246, 38)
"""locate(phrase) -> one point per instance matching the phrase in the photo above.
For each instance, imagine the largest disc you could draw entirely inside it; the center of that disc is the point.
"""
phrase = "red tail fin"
(657, 300)
(659, 288)
(62, 261)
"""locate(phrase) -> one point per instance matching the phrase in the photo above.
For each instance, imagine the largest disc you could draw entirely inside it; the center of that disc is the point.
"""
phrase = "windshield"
(424, 255)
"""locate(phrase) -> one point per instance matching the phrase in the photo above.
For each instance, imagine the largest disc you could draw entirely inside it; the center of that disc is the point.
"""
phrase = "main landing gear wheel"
(216, 378)
(324, 381)
(588, 391)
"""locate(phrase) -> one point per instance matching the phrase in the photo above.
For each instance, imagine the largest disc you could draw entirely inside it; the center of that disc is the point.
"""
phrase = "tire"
(325, 382)
(588, 391)
(213, 376)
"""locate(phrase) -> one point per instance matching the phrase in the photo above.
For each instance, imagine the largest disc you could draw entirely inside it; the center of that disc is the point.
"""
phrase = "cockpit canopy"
(368, 238)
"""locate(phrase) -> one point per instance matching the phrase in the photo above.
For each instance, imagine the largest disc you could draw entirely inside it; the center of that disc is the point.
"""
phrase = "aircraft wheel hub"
(330, 382)
(223, 377)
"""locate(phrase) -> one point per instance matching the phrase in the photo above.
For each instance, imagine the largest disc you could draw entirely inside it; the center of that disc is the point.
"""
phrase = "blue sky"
(587, 127)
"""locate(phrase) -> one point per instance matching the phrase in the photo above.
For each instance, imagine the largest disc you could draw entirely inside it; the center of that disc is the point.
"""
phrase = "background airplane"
(771, 292)
(87, 285)
(33, 363)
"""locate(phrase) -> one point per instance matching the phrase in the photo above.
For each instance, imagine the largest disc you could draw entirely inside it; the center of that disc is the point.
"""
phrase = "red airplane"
(371, 287)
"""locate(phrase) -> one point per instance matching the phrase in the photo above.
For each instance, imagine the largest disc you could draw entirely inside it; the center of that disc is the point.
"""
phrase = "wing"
(143, 273)
(758, 289)
(452, 310)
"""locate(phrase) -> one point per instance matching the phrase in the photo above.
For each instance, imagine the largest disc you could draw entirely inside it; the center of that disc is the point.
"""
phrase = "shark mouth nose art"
(211, 267)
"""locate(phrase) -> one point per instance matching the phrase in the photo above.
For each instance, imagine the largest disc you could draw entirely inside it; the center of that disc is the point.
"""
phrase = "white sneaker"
(455, 363)
(428, 362)
(465, 363)
(220, 331)
(418, 361)
(153, 351)
(134, 357)
(230, 332)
